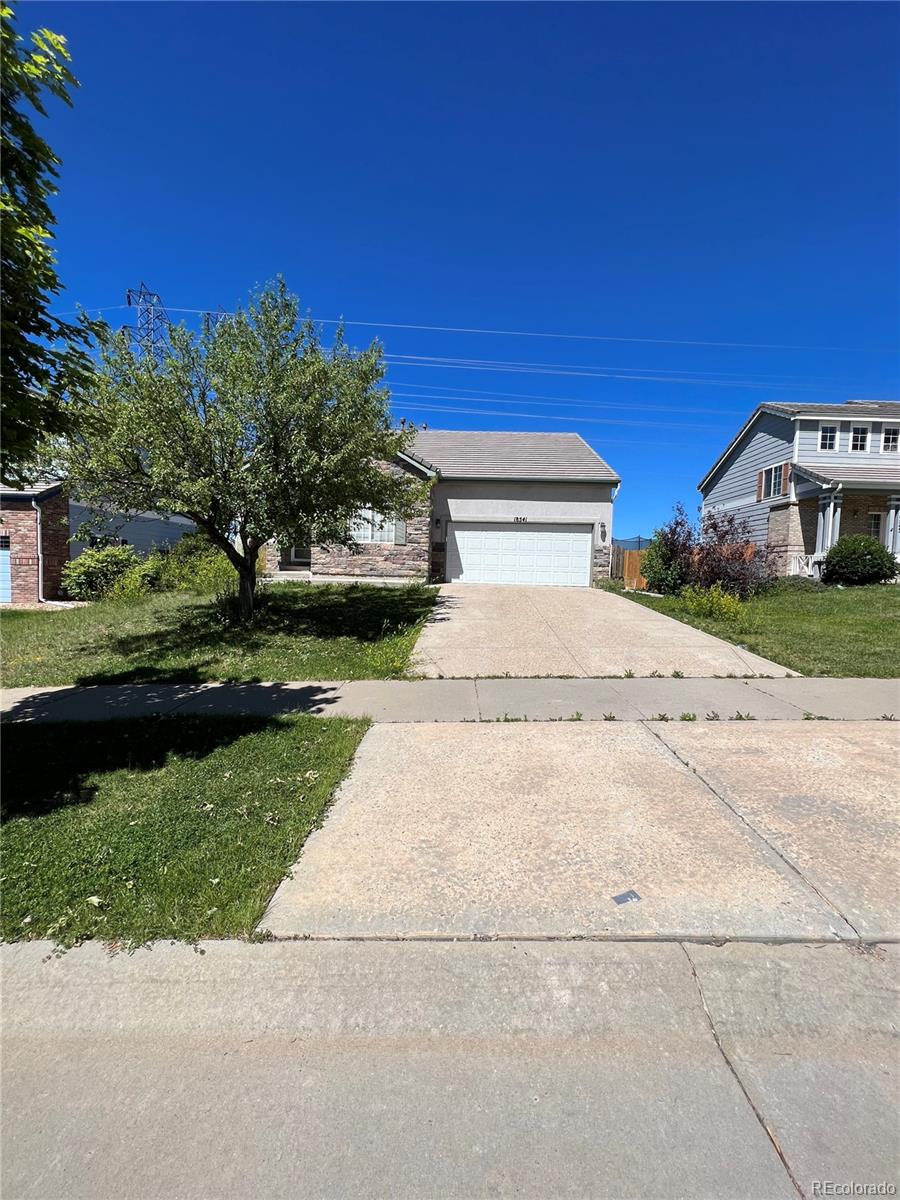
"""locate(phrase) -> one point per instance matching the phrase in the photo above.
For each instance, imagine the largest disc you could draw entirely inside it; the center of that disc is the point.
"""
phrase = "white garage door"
(482, 552)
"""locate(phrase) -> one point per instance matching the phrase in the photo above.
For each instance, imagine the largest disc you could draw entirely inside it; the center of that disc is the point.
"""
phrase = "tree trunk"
(247, 591)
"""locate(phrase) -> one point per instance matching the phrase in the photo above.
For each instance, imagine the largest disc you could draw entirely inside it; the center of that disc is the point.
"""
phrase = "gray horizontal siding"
(142, 531)
(733, 486)
(842, 455)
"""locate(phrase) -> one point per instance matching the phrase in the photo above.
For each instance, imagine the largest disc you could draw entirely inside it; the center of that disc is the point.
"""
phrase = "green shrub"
(93, 574)
(610, 585)
(194, 564)
(858, 559)
(712, 602)
(140, 580)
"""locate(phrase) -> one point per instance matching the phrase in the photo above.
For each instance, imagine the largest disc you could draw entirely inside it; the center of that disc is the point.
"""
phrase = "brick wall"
(18, 522)
(856, 508)
(791, 530)
(55, 533)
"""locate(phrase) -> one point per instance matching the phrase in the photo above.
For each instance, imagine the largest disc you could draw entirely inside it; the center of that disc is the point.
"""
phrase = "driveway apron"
(479, 630)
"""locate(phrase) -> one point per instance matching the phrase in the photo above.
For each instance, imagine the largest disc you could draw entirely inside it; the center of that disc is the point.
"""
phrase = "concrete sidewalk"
(638, 699)
(457, 1071)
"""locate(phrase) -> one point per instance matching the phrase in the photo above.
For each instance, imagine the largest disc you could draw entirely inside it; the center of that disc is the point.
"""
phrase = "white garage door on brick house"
(539, 553)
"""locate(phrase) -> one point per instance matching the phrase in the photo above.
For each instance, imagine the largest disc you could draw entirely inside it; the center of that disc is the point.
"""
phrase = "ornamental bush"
(666, 564)
(194, 564)
(140, 580)
(858, 559)
(713, 602)
(93, 574)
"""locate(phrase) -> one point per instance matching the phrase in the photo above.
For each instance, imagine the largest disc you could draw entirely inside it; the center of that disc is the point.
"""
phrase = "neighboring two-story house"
(803, 475)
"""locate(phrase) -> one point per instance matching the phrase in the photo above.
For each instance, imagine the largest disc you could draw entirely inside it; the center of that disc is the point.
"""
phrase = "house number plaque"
(520, 520)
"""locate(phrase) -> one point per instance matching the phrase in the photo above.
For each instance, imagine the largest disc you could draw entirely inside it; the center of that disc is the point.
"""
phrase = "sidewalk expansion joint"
(773, 1140)
(826, 900)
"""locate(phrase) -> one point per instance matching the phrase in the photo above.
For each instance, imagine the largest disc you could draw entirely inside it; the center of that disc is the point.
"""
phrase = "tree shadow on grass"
(198, 635)
(49, 766)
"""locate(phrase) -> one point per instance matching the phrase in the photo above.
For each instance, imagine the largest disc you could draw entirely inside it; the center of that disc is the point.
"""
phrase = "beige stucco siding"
(482, 500)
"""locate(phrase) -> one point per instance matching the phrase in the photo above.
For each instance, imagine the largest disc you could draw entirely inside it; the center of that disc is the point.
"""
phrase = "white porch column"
(829, 522)
(836, 505)
(893, 530)
(820, 528)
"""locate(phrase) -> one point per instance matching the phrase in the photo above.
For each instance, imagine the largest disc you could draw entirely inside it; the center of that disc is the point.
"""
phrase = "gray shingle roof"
(471, 454)
(878, 409)
(878, 473)
(35, 492)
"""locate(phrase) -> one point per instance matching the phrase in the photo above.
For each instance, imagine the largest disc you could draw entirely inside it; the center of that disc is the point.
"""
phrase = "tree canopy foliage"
(251, 428)
(41, 357)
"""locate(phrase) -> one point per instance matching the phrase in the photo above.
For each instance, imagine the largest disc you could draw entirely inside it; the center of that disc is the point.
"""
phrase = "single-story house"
(510, 508)
(36, 538)
(803, 475)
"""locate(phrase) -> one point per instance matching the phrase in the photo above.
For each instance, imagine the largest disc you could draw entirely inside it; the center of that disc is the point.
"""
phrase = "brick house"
(512, 508)
(37, 527)
(34, 543)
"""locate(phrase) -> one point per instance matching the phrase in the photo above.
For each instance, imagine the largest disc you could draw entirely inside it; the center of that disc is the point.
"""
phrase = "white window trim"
(884, 430)
(867, 425)
(876, 512)
(836, 426)
(774, 495)
(367, 516)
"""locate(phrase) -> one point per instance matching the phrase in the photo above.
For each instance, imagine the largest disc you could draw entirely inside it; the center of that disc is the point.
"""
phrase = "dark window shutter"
(785, 478)
(759, 485)
(399, 533)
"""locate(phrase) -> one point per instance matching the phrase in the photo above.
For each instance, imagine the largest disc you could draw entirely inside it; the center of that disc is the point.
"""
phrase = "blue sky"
(660, 174)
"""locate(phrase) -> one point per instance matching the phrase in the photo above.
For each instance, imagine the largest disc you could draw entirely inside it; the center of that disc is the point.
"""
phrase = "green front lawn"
(838, 631)
(167, 827)
(303, 631)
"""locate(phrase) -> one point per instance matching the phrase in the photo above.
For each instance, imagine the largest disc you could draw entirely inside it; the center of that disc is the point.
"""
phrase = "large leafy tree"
(41, 357)
(250, 427)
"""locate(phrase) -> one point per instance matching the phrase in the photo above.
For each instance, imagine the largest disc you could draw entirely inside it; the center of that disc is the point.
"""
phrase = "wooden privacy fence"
(626, 565)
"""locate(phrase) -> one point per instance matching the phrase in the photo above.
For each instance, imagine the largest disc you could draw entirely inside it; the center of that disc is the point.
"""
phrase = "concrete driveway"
(754, 830)
(482, 630)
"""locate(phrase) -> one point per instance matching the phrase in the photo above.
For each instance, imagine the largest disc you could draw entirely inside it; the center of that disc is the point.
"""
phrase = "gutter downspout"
(40, 550)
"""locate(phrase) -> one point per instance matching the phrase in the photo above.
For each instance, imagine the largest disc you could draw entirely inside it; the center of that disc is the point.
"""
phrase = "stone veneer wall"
(374, 560)
(18, 522)
(601, 564)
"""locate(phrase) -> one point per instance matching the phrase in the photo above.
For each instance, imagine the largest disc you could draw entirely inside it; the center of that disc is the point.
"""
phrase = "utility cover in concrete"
(520, 829)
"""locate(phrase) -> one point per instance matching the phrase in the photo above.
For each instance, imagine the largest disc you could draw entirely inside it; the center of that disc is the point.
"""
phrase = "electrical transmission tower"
(152, 319)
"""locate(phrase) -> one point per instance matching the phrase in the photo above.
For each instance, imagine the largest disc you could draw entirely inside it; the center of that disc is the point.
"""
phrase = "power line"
(578, 337)
(593, 337)
(480, 412)
(563, 402)
(587, 373)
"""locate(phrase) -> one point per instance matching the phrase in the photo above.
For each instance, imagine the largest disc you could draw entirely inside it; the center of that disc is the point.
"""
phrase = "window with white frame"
(890, 439)
(875, 525)
(828, 437)
(772, 481)
(859, 439)
(371, 526)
